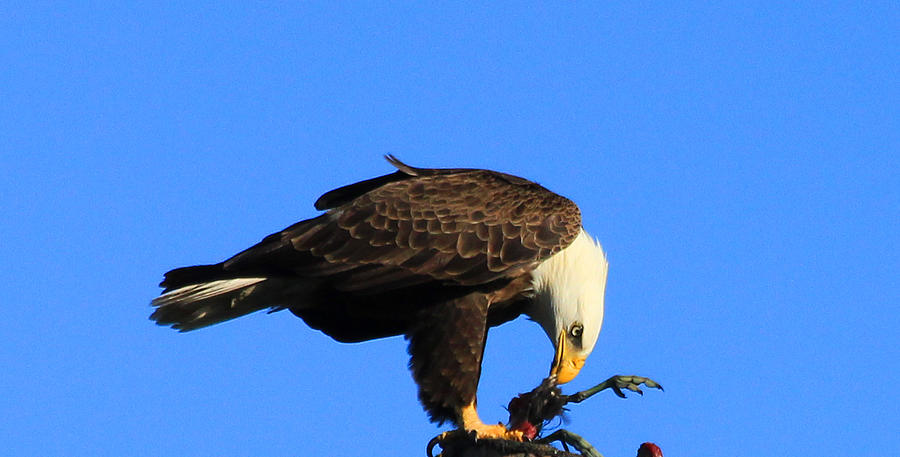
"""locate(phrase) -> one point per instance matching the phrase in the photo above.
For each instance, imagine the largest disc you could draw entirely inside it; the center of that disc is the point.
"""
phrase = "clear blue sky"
(739, 163)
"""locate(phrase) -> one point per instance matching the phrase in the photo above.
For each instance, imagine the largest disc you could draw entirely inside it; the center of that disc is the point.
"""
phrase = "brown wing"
(417, 225)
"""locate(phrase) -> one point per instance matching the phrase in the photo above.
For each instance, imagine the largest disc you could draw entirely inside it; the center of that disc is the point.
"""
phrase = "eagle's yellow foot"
(480, 432)
(472, 424)
(496, 432)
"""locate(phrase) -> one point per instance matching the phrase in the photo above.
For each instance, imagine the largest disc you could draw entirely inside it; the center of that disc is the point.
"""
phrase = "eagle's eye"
(576, 330)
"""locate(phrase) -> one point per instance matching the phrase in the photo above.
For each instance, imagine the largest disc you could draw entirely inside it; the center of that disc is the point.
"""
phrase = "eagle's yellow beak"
(566, 364)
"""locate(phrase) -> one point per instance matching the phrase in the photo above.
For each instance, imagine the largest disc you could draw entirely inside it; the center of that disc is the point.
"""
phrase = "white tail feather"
(203, 291)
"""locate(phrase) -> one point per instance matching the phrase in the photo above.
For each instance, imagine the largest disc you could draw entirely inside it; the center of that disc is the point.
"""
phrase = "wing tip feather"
(398, 164)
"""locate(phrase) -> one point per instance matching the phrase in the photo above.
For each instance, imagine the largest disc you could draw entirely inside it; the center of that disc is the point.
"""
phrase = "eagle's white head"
(568, 302)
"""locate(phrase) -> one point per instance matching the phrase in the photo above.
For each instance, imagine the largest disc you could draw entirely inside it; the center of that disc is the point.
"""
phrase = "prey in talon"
(529, 412)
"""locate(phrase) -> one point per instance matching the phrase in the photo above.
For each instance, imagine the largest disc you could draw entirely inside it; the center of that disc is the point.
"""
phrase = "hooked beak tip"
(566, 365)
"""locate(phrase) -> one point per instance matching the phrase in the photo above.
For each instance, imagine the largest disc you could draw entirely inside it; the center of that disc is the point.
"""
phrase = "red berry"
(649, 450)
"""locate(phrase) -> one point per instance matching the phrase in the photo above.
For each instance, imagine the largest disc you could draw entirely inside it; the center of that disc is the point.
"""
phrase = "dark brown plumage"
(436, 255)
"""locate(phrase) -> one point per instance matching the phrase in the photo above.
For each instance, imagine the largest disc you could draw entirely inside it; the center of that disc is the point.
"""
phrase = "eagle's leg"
(446, 344)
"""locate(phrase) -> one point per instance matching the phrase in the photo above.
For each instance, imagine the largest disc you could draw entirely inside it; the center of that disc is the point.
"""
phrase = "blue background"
(739, 163)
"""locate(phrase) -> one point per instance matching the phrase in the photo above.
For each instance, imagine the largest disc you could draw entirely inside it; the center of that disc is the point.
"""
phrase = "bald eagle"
(436, 255)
